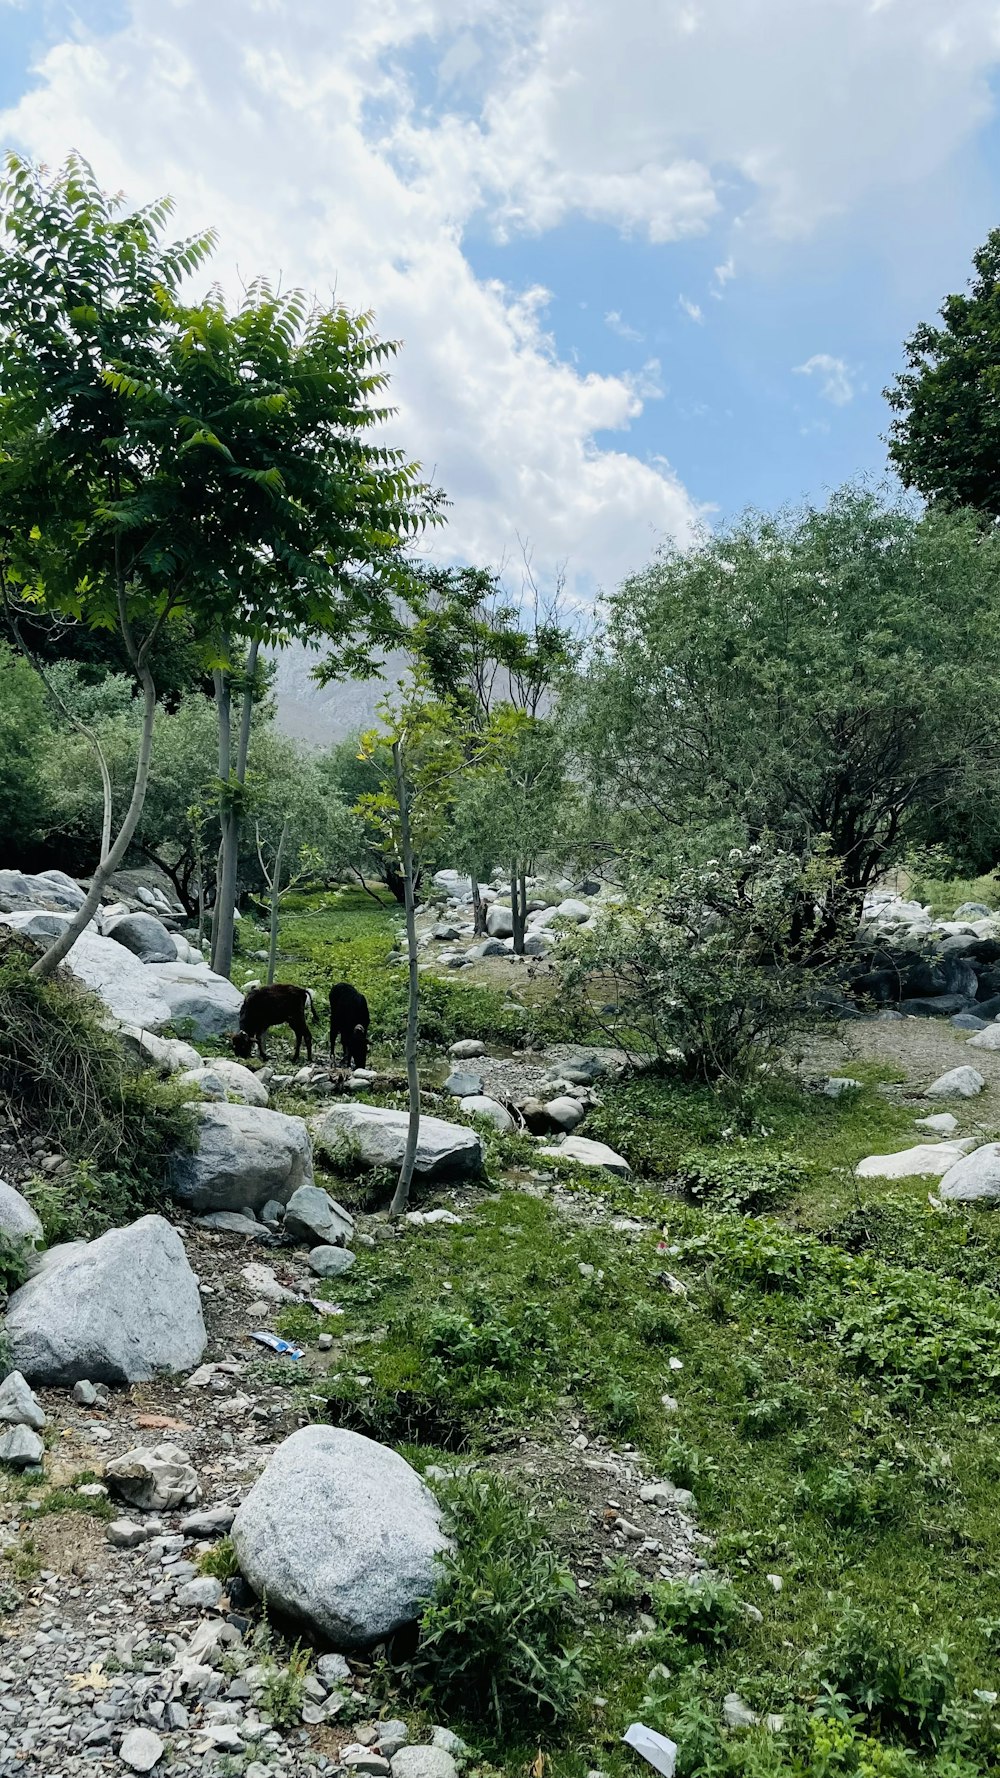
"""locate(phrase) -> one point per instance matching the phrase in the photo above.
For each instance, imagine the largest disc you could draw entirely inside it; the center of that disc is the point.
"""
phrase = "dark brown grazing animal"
(349, 1020)
(280, 1004)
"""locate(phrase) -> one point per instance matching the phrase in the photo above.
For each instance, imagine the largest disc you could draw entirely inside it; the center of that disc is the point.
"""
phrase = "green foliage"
(744, 1182)
(706, 1612)
(498, 1639)
(283, 1692)
(899, 1690)
(220, 1560)
(769, 645)
(620, 1586)
(64, 1077)
(26, 739)
(704, 970)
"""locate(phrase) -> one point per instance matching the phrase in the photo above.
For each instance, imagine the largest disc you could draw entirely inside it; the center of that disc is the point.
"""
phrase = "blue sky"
(537, 197)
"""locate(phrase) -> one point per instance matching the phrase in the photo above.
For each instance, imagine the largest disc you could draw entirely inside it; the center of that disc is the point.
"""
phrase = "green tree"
(26, 739)
(827, 677)
(164, 463)
(302, 829)
(945, 439)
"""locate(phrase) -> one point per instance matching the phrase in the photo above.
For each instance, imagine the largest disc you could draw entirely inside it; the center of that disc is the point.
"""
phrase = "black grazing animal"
(349, 1020)
(280, 1004)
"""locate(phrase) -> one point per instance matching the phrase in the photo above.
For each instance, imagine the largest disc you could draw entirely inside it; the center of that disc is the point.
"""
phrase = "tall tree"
(824, 676)
(945, 440)
(160, 460)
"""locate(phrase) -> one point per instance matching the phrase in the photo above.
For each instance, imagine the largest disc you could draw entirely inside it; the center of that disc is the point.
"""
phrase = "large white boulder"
(195, 994)
(587, 1154)
(340, 1534)
(499, 921)
(168, 1055)
(245, 1155)
(928, 1160)
(312, 1215)
(958, 1083)
(986, 1040)
(48, 889)
(128, 988)
(18, 1221)
(974, 1179)
(115, 1310)
(373, 1136)
(221, 1078)
(481, 1105)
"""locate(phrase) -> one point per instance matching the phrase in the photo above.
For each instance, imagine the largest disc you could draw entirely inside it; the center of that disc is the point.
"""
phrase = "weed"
(706, 1612)
(744, 1181)
(283, 1690)
(898, 1689)
(220, 1560)
(620, 1586)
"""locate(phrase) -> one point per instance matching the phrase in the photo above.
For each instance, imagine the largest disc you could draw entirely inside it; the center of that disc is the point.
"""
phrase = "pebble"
(204, 1592)
(125, 1534)
(140, 1750)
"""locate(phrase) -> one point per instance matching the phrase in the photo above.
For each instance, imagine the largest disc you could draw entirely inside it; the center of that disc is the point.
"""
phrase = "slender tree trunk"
(522, 898)
(478, 910)
(223, 712)
(275, 888)
(517, 905)
(402, 1192)
(61, 946)
(201, 899)
(222, 948)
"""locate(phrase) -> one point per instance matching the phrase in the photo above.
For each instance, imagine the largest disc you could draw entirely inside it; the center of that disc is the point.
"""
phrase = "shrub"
(220, 1560)
(284, 1689)
(898, 1689)
(620, 1586)
(740, 1181)
(498, 1636)
(706, 968)
(687, 1467)
(706, 1612)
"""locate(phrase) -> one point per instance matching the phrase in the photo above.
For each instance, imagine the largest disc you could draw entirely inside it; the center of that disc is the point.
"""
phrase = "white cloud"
(614, 321)
(836, 385)
(722, 275)
(693, 310)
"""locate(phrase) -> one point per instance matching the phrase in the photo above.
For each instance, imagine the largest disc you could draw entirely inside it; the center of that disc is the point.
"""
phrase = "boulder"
(958, 1083)
(312, 1215)
(936, 1006)
(21, 1447)
(481, 1105)
(206, 1083)
(975, 1179)
(230, 1222)
(245, 1156)
(229, 1080)
(116, 1310)
(128, 988)
(462, 1083)
(564, 1113)
(967, 1021)
(974, 910)
(499, 921)
(18, 1220)
(340, 1534)
(373, 1136)
(576, 911)
(145, 936)
(537, 944)
(490, 947)
(154, 1479)
(19, 1405)
(986, 1040)
(168, 1055)
(48, 889)
(423, 1762)
(466, 1048)
(838, 1084)
(330, 1262)
(928, 1160)
(587, 1154)
(197, 996)
(941, 1124)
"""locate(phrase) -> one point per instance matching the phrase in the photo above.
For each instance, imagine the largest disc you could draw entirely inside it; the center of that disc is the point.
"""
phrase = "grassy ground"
(833, 1348)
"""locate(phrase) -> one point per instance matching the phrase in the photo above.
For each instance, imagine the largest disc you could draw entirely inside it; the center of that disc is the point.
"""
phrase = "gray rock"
(168, 1055)
(130, 990)
(140, 1750)
(194, 993)
(210, 1521)
(21, 1447)
(838, 1084)
(333, 1670)
(975, 1179)
(84, 1393)
(446, 933)
(273, 1214)
(564, 1113)
(392, 1735)
(986, 1040)
(974, 910)
(481, 1105)
(928, 1160)
(967, 1021)
(490, 947)
(145, 936)
(577, 911)
(330, 1262)
(312, 1215)
(373, 1136)
(245, 1155)
(537, 944)
(587, 1154)
(450, 1742)
(463, 1084)
(19, 1406)
(18, 1220)
(124, 1534)
(239, 1084)
(204, 1592)
(941, 1123)
(118, 1310)
(341, 1534)
(466, 1048)
(736, 1714)
(499, 921)
(958, 1083)
(154, 1478)
(424, 1762)
(229, 1222)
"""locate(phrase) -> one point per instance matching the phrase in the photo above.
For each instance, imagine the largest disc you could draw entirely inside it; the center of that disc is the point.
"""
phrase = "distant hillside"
(322, 714)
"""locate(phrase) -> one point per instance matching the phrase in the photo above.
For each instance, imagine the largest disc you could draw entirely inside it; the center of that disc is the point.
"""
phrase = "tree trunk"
(201, 900)
(402, 1192)
(225, 901)
(223, 713)
(275, 887)
(61, 946)
(517, 905)
(478, 909)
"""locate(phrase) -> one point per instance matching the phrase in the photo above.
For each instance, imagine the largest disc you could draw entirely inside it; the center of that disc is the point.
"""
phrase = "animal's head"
(242, 1043)
(359, 1046)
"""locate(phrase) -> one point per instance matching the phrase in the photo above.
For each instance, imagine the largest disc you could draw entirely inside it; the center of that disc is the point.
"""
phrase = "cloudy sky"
(651, 260)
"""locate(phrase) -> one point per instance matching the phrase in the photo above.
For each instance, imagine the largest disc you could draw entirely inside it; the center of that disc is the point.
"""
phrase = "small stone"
(84, 1393)
(775, 1581)
(736, 1714)
(462, 1084)
(325, 1342)
(838, 1084)
(93, 1491)
(424, 1762)
(330, 1262)
(140, 1750)
(203, 1593)
(210, 1521)
(332, 1669)
(941, 1124)
(391, 1736)
(19, 1405)
(125, 1535)
(958, 1083)
(450, 1743)
(156, 1479)
(669, 1404)
(21, 1447)
(361, 1759)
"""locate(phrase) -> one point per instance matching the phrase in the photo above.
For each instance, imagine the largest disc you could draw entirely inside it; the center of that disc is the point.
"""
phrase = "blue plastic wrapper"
(284, 1348)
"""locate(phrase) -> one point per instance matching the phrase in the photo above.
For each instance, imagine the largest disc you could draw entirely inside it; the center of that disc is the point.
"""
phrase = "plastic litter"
(657, 1749)
(322, 1308)
(283, 1347)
